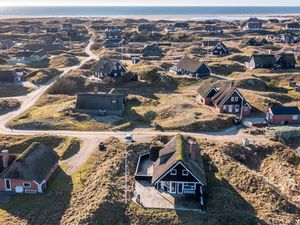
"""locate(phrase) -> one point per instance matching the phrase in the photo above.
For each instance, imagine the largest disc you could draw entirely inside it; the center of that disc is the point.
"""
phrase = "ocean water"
(151, 12)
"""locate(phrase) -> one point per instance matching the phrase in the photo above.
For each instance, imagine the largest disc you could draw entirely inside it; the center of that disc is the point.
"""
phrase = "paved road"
(91, 139)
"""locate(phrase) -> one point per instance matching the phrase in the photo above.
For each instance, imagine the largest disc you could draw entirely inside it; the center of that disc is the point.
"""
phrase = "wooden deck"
(151, 198)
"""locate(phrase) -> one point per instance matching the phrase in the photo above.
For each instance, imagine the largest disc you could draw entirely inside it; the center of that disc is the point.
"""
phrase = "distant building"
(52, 30)
(220, 49)
(181, 26)
(212, 30)
(252, 24)
(288, 38)
(6, 44)
(170, 28)
(108, 67)
(152, 51)
(7, 76)
(115, 34)
(67, 26)
(292, 26)
(226, 99)
(101, 103)
(256, 42)
(146, 28)
(283, 115)
(273, 21)
(30, 171)
(188, 66)
(269, 61)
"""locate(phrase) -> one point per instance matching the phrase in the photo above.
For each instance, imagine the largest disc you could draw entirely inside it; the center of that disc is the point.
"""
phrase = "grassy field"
(241, 190)
(11, 90)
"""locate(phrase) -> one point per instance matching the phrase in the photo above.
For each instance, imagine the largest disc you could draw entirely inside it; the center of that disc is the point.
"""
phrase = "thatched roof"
(178, 150)
(205, 88)
(34, 163)
(152, 51)
(106, 65)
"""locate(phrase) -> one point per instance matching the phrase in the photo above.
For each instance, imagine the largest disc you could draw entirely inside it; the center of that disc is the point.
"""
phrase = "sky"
(149, 3)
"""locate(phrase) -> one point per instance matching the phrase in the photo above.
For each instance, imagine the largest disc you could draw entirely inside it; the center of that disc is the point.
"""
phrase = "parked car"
(128, 138)
(101, 146)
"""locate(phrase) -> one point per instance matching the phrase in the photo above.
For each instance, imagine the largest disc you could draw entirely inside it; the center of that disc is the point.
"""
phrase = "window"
(114, 101)
(115, 74)
(232, 99)
(173, 172)
(185, 173)
(26, 185)
(237, 108)
(189, 186)
(236, 99)
(295, 117)
(224, 107)
(120, 67)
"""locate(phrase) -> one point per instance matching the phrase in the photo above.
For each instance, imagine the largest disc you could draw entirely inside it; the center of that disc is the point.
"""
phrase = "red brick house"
(30, 171)
(283, 115)
(226, 99)
(206, 92)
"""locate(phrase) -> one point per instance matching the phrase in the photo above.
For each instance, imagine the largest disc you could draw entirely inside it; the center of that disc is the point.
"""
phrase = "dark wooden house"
(108, 67)
(178, 170)
(7, 76)
(252, 24)
(292, 26)
(181, 26)
(220, 50)
(229, 100)
(146, 28)
(152, 51)
(269, 61)
(188, 66)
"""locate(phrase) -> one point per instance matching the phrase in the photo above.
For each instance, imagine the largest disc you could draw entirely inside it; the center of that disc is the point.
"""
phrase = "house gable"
(179, 167)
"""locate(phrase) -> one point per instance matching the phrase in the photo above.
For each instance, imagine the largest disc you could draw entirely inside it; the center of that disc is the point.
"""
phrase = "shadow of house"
(224, 205)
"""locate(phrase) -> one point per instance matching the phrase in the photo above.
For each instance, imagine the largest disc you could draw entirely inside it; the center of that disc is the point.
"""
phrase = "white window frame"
(173, 172)
(171, 187)
(232, 99)
(224, 107)
(185, 172)
(236, 99)
(237, 108)
(26, 183)
(295, 117)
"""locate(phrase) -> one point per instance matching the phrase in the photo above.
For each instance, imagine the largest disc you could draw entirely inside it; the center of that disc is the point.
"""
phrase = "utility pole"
(126, 171)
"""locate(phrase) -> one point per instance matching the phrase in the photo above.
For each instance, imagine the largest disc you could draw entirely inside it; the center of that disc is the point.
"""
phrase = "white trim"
(7, 189)
(26, 183)
(212, 88)
(173, 174)
(185, 174)
(179, 162)
(229, 95)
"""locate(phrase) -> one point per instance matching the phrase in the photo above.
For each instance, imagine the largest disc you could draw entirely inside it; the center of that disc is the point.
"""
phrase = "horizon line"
(93, 5)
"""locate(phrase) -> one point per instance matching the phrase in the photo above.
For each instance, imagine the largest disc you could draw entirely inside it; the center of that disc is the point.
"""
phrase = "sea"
(151, 12)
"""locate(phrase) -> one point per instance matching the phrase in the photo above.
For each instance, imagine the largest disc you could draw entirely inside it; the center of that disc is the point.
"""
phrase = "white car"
(129, 138)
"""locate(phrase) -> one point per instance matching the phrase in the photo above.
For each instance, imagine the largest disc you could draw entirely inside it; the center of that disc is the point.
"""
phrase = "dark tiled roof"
(152, 50)
(33, 164)
(264, 59)
(205, 88)
(285, 110)
(105, 65)
(222, 45)
(189, 64)
(178, 150)
(293, 25)
(287, 58)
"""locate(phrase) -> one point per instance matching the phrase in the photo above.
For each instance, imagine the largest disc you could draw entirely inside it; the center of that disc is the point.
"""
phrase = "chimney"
(193, 150)
(5, 158)
(95, 90)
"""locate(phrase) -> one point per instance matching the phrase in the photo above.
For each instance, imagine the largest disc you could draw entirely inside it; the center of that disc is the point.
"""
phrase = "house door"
(173, 187)
(179, 188)
(7, 185)
(230, 108)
